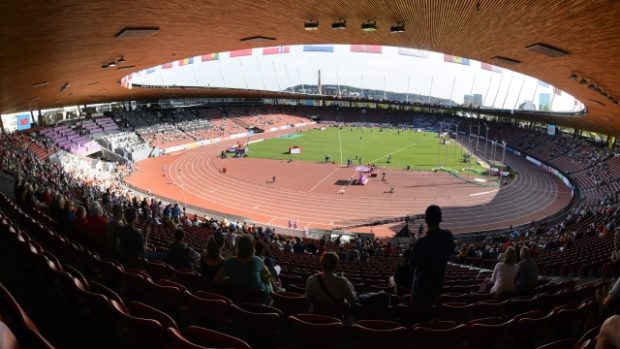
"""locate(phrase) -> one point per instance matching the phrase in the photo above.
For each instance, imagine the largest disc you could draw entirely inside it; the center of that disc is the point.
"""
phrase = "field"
(419, 150)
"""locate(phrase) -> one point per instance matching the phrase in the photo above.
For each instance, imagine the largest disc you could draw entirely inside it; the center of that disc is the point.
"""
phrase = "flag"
(318, 48)
(542, 83)
(413, 52)
(150, 70)
(240, 53)
(167, 65)
(186, 61)
(276, 50)
(23, 121)
(455, 59)
(491, 67)
(366, 48)
(210, 57)
(557, 91)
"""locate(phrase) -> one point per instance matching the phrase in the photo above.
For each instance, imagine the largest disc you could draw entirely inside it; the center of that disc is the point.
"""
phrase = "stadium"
(300, 174)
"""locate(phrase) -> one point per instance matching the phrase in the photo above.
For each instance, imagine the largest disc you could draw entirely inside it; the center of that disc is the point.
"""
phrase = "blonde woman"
(505, 273)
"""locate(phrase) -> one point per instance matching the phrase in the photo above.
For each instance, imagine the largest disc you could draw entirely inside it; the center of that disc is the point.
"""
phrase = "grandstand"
(133, 213)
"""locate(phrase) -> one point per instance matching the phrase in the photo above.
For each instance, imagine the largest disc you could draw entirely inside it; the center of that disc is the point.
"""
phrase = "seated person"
(505, 273)
(211, 260)
(245, 270)
(180, 255)
(527, 271)
(327, 287)
(133, 241)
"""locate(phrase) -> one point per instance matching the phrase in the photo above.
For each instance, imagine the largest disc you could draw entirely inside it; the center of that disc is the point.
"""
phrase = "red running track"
(308, 192)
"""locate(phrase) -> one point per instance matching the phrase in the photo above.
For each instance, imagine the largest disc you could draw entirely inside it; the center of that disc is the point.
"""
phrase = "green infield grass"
(419, 150)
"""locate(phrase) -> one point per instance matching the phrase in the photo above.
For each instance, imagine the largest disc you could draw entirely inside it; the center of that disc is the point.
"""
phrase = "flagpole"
(195, 76)
(260, 72)
(243, 74)
(163, 82)
(303, 87)
(471, 92)
(275, 74)
(519, 95)
(338, 83)
(501, 81)
(430, 91)
(288, 78)
(452, 90)
(219, 66)
(384, 87)
(508, 91)
(552, 98)
(486, 94)
(408, 79)
(535, 90)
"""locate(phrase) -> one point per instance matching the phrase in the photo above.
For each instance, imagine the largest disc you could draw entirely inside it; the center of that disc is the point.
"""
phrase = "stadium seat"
(210, 312)
(306, 326)
(370, 334)
(258, 323)
(213, 339)
(290, 303)
(437, 334)
(488, 308)
(486, 332)
(458, 313)
(566, 343)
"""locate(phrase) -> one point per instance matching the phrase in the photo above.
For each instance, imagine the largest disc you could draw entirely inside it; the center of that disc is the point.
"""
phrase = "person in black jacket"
(429, 258)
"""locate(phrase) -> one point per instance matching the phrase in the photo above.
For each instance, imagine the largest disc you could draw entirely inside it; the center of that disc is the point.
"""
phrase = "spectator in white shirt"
(505, 273)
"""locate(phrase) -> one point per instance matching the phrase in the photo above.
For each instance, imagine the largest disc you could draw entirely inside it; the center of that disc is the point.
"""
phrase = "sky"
(387, 70)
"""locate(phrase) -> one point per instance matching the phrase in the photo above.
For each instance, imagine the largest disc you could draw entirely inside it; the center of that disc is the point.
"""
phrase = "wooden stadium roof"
(65, 42)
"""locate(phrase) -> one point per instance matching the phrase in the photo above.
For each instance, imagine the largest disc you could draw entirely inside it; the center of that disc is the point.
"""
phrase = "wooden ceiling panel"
(68, 40)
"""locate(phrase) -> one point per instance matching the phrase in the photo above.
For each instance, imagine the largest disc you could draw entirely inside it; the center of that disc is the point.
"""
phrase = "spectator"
(403, 276)
(180, 255)
(245, 270)
(609, 334)
(113, 231)
(327, 287)
(133, 241)
(298, 247)
(527, 272)
(211, 260)
(429, 258)
(81, 225)
(97, 224)
(505, 273)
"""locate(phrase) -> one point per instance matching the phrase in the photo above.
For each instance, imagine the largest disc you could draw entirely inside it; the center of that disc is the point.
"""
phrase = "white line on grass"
(394, 152)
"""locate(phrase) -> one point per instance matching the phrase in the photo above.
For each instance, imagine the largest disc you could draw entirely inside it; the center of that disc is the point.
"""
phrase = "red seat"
(559, 344)
(337, 310)
(486, 332)
(290, 303)
(22, 326)
(437, 334)
(258, 322)
(146, 311)
(458, 313)
(517, 306)
(213, 339)
(148, 332)
(488, 308)
(212, 312)
(409, 315)
(370, 334)
(307, 326)
(529, 328)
